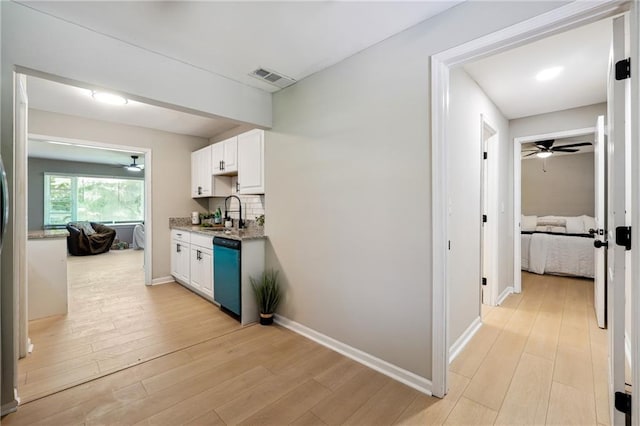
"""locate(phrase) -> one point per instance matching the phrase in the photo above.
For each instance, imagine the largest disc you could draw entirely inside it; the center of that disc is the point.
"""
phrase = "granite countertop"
(254, 233)
(40, 234)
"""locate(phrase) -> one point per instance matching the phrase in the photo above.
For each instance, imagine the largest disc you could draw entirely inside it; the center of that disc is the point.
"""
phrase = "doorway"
(440, 72)
(517, 187)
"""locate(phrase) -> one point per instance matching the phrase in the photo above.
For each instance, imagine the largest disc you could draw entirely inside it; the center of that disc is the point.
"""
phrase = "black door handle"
(598, 244)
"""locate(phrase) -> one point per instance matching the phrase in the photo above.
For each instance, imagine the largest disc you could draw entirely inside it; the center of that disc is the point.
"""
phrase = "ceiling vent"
(272, 77)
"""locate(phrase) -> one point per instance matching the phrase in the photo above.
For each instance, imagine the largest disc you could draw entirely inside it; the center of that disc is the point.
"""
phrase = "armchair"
(82, 242)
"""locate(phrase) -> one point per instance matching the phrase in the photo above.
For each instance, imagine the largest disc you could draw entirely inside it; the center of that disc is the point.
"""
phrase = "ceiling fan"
(134, 167)
(546, 149)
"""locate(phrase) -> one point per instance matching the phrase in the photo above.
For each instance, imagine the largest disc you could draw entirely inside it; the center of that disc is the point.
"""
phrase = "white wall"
(466, 106)
(171, 168)
(570, 119)
(352, 138)
(563, 187)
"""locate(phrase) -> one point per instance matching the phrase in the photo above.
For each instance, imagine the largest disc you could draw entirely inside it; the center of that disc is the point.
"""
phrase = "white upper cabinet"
(224, 157)
(201, 173)
(230, 161)
(251, 162)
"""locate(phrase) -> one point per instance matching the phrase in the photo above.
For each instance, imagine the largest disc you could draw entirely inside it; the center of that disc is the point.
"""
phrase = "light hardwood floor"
(114, 321)
(539, 358)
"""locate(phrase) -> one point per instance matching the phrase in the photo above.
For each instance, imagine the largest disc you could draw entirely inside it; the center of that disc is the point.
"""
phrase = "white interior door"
(484, 234)
(617, 96)
(600, 284)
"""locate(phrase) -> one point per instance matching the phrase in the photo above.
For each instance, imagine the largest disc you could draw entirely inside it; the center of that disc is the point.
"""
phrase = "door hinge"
(623, 69)
(484, 281)
(484, 155)
(484, 218)
(623, 402)
(623, 237)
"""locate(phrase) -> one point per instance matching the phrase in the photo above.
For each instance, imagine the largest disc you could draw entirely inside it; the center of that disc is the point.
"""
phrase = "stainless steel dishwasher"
(226, 274)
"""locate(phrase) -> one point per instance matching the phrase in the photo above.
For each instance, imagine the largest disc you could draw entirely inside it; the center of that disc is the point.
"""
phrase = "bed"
(558, 245)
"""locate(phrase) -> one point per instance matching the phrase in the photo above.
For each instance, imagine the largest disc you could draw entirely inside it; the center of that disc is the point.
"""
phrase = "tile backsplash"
(252, 205)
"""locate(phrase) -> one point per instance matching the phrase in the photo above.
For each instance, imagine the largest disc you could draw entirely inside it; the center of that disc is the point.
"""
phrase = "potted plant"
(267, 291)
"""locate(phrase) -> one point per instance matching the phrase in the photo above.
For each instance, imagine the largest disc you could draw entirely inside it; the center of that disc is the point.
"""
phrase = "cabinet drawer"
(178, 235)
(204, 241)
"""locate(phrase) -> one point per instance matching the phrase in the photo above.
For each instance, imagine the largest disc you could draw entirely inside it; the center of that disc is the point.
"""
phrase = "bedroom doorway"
(441, 65)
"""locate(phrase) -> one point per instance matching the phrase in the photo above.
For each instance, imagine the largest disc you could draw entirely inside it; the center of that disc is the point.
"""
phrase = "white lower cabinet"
(202, 264)
(180, 248)
(192, 261)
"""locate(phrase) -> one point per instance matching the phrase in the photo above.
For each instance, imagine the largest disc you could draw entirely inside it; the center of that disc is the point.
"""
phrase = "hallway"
(539, 358)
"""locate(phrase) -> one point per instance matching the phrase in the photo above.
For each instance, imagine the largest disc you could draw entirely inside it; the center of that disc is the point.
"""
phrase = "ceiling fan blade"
(530, 150)
(563, 149)
(571, 145)
(529, 155)
(545, 144)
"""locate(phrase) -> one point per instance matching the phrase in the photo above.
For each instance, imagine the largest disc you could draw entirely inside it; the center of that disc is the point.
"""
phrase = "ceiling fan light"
(134, 168)
(544, 154)
(109, 98)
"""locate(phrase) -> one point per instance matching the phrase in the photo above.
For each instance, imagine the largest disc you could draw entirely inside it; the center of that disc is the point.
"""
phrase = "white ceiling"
(226, 38)
(509, 79)
(232, 39)
(48, 95)
(55, 151)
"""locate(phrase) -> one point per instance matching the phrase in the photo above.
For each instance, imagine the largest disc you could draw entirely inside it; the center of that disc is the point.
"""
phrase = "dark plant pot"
(266, 319)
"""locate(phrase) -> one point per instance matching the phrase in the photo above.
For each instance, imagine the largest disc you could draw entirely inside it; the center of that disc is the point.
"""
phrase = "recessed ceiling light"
(544, 154)
(549, 73)
(109, 98)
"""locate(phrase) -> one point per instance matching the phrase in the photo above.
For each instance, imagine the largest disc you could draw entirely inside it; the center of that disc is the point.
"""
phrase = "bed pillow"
(552, 221)
(549, 228)
(589, 223)
(528, 223)
(575, 225)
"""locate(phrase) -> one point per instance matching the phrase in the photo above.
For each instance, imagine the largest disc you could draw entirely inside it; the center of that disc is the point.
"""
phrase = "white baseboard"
(408, 378)
(627, 349)
(162, 280)
(462, 341)
(505, 293)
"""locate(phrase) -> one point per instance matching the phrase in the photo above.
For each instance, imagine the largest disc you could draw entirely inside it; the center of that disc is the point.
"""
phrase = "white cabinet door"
(180, 260)
(217, 157)
(195, 175)
(196, 270)
(201, 173)
(202, 270)
(224, 157)
(230, 160)
(251, 162)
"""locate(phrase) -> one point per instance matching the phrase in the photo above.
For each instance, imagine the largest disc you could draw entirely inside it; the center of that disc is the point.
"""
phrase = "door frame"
(569, 16)
(148, 237)
(517, 191)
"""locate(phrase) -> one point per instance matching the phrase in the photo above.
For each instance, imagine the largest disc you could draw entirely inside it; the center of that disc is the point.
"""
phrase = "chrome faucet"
(226, 212)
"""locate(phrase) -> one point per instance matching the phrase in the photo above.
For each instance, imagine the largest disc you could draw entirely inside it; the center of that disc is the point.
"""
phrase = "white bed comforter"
(558, 254)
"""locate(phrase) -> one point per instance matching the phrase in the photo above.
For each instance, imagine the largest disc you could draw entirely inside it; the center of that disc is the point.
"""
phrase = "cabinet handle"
(237, 186)
(177, 248)
(198, 255)
(222, 164)
(199, 190)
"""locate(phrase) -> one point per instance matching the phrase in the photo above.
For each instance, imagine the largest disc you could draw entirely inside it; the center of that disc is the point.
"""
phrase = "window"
(97, 199)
